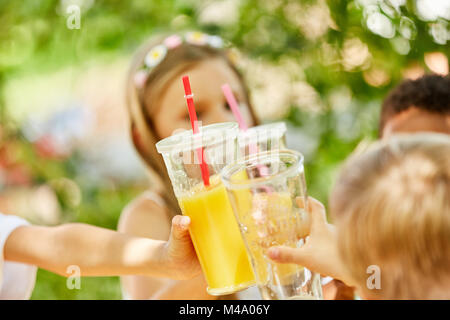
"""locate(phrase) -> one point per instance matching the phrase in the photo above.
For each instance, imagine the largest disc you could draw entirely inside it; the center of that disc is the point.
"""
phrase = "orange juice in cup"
(217, 239)
(214, 229)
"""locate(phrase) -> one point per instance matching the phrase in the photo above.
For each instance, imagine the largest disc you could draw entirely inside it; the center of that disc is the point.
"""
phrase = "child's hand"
(179, 253)
(320, 252)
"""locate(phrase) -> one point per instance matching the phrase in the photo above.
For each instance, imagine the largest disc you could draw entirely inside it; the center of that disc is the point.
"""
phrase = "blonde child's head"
(392, 208)
(155, 96)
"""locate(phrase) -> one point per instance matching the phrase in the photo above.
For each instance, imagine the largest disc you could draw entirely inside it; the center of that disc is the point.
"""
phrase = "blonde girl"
(156, 104)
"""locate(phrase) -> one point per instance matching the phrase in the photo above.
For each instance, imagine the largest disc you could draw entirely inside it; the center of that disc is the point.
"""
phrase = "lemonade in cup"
(266, 207)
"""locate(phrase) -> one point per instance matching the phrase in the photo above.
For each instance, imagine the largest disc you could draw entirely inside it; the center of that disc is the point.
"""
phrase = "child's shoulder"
(147, 216)
(145, 200)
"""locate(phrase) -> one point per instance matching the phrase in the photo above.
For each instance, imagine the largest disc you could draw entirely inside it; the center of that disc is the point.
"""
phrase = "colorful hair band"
(157, 54)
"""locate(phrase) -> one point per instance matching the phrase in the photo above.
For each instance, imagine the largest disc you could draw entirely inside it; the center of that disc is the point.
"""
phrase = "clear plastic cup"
(214, 230)
(266, 137)
(266, 207)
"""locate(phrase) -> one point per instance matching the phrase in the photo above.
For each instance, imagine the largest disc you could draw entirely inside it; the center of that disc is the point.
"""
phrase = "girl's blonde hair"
(392, 209)
(142, 102)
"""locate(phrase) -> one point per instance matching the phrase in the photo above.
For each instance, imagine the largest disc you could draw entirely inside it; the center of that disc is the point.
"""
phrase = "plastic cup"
(268, 215)
(266, 137)
(214, 230)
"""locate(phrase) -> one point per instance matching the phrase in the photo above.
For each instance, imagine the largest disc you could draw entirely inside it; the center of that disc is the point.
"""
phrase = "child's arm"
(320, 252)
(135, 220)
(102, 252)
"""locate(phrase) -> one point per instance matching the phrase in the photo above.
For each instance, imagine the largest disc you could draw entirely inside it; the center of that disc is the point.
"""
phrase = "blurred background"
(322, 66)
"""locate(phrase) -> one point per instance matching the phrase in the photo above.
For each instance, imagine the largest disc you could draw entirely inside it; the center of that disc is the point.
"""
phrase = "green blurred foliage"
(53, 287)
(34, 38)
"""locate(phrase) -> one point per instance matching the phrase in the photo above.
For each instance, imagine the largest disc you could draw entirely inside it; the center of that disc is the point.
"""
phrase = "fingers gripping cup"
(268, 214)
(214, 230)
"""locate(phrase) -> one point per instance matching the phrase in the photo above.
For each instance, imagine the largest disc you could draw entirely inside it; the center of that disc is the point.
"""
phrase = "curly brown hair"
(430, 93)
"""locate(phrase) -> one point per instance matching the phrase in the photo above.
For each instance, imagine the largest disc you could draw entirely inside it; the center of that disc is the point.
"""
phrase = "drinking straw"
(194, 123)
(231, 100)
(226, 89)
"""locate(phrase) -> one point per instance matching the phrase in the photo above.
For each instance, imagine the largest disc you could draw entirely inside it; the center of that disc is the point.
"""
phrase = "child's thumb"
(318, 213)
(284, 254)
(180, 229)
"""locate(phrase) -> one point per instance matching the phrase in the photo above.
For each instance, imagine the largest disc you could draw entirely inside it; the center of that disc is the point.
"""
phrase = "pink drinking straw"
(231, 100)
(234, 106)
(226, 89)
(194, 123)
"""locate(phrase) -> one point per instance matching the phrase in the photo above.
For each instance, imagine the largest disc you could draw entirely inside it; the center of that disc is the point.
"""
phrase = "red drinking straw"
(194, 123)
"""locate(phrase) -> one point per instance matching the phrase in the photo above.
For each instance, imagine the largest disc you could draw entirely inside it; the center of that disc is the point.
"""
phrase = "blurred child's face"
(416, 120)
(206, 79)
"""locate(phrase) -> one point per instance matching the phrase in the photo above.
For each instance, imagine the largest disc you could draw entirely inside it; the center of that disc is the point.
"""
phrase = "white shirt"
(16, 279)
